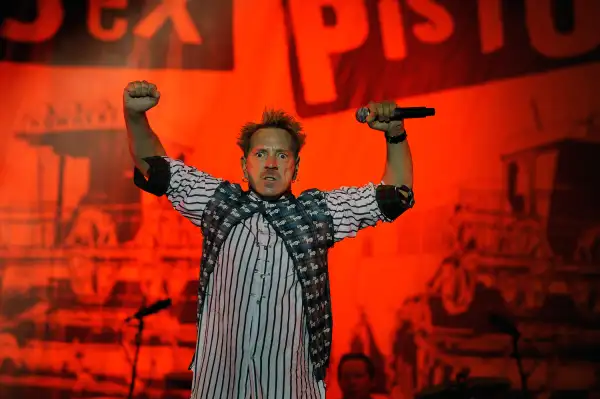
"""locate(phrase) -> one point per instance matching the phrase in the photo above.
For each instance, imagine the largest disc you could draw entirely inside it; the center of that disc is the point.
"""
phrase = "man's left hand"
(380, 115)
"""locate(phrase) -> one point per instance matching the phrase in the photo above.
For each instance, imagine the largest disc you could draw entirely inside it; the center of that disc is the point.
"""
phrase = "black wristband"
(395, 139)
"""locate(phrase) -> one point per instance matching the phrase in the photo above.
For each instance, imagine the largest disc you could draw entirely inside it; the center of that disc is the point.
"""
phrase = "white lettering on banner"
(439, 25)
(119, 26)
(393, 38)
(317, 43)
(491, 28)
(182, 22)
(544, 37)
(50, 17)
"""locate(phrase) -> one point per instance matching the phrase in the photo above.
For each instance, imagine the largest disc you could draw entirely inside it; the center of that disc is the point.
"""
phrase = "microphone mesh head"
(361, 114)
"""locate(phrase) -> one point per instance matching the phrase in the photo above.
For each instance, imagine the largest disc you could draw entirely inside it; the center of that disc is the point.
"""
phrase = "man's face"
(354, 380)
(270, 164)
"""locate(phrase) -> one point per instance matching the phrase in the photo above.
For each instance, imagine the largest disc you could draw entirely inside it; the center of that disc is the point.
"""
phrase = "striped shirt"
(252, 338)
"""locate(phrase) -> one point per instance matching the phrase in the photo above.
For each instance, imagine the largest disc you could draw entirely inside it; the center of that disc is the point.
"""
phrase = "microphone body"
(149, 310)
(399, 113)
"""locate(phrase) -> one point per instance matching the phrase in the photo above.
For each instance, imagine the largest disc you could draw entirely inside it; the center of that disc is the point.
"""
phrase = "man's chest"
(252, 239)
(254, 255)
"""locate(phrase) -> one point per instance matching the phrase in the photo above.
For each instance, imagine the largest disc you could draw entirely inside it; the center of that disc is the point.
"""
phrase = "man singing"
(264, 307)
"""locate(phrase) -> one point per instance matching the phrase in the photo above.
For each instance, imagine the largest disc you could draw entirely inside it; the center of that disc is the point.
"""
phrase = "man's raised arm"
(188, 189)
(354, 208)
(139, 97)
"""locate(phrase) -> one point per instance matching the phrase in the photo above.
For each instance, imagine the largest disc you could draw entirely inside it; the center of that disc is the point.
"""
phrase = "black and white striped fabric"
(252, 339)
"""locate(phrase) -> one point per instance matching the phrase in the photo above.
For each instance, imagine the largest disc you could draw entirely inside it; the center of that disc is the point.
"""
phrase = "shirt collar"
(254, 196)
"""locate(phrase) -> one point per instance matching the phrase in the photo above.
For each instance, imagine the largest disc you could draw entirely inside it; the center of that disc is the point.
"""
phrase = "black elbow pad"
(393, 201)
(159, 176)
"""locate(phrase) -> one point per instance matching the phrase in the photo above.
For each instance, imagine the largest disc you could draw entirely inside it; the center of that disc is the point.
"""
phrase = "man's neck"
(274, 198)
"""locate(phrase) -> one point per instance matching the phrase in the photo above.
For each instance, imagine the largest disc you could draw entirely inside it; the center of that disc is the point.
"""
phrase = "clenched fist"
(140, 96)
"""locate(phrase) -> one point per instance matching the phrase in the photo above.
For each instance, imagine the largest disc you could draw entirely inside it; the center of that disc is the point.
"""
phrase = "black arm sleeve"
(159, 176)
(393, 201)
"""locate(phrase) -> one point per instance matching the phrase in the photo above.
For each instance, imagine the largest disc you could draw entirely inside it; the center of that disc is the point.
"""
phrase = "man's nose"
(271, 163)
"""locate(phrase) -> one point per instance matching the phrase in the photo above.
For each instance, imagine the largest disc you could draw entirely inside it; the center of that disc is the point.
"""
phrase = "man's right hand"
(140, 96)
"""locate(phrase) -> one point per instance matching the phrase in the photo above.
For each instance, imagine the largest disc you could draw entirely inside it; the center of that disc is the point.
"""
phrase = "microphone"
(150, 310)
(399, 113)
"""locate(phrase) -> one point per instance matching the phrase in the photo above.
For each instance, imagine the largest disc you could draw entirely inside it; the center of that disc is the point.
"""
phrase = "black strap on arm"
(393, 201)
(159, 176)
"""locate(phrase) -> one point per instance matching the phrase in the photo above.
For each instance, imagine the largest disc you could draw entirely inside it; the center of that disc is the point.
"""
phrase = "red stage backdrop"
(507, 215)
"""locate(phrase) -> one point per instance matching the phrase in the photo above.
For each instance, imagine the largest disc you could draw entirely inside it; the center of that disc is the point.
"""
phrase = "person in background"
(356, 375)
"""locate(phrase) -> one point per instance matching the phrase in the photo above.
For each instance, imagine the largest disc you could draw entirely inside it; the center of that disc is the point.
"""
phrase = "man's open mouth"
(269, 178)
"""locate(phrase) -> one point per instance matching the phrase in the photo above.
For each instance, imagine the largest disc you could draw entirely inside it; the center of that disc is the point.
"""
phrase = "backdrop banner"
(506, 224)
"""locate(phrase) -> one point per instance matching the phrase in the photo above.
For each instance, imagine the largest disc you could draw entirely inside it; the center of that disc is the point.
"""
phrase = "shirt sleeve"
(190, 190)
(353, 209)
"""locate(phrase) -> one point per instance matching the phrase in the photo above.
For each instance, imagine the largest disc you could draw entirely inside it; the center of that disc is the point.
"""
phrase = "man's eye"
(260, 154)
(283, 156)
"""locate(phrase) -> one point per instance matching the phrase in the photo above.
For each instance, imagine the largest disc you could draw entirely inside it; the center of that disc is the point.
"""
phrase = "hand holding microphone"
(389, 111)
(389, 118)
(380, 117)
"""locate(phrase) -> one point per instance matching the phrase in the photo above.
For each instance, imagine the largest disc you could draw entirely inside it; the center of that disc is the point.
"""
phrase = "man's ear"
(244, 170)
(296, 168)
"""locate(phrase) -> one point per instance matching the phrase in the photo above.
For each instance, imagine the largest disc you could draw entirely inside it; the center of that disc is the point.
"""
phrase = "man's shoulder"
(311, 193)
(227, 189)
(313, 199)
(228, 185)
